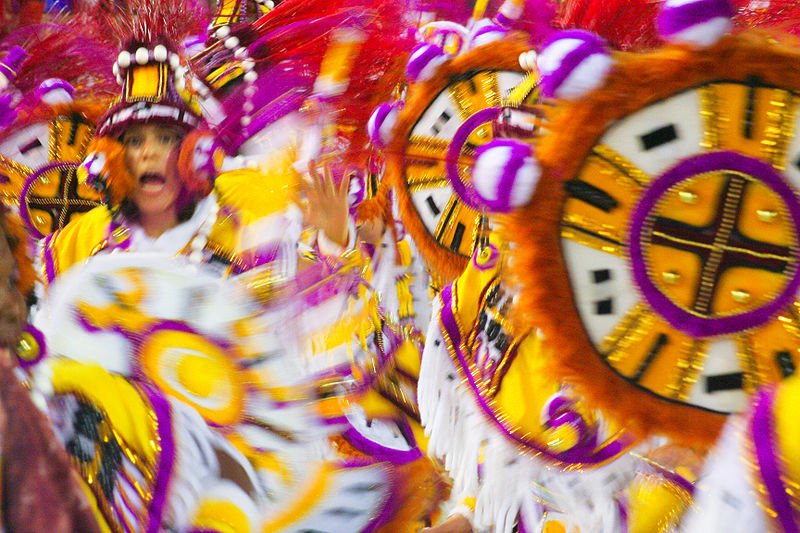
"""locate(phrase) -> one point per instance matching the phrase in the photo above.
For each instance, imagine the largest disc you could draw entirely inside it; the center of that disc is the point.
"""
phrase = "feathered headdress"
(150, 70)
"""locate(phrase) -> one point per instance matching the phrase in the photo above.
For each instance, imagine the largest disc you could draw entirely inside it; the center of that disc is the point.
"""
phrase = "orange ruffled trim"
(504, 55)
(537, 263)
(120, 181)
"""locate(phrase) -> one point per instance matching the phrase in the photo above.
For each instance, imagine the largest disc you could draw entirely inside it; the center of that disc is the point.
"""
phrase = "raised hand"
(325, 205)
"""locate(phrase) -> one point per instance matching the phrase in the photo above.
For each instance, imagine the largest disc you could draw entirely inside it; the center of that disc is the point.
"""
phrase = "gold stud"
(688, 197)
(740, 296)
(670, 277)
(766, 215)
(120, 234)
(27, 347)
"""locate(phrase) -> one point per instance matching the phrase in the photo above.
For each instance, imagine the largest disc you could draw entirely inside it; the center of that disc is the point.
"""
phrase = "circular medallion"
(52, 197)
(197, 370)
(660, 252)
(720, 266)
(431, 153)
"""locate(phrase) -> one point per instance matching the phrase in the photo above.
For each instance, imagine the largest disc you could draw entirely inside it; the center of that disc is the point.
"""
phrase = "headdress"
(642, 156)
(150, 70)
(155, 87)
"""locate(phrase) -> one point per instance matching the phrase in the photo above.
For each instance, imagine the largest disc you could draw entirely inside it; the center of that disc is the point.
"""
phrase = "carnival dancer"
(640, 156)
(141, 434)
(35, 468)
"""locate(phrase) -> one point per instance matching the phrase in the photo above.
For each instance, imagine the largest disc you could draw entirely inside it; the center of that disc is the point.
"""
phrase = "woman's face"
(150, 154)
(13, 312)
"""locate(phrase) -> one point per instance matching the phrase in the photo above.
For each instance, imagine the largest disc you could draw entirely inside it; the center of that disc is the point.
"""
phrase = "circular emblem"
(194, 369)
(660, 252)
(719, 266)
(52, 197)
(430, 156)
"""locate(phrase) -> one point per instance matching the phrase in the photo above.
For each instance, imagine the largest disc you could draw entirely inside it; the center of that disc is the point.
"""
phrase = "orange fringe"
(197, 184)
(18, 239)
(371, 209)
(421, 488)
(537, 263)
(120, 181)
(443, 263)
(91, 110)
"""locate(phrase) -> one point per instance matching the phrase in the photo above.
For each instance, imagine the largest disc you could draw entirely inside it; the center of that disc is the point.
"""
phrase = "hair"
(120, 182)
(17, 239)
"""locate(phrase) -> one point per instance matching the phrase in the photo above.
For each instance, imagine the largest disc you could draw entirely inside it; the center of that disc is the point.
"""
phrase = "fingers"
(343, 187)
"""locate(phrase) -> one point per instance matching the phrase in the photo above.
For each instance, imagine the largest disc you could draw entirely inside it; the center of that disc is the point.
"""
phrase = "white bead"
(240, 53)
(250, 76)
(223, 32)
(180, 83)
(248, 64)
(160, 53)
(270, 4)
(174, 61)
(231, 42)
(120, 81)
(115, 69)
(248, 106)
(142, 56)
(245, 120)
(527, 60)
(124, 59)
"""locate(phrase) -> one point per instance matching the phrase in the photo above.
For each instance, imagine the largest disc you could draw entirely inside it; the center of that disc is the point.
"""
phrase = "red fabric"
(40, 489)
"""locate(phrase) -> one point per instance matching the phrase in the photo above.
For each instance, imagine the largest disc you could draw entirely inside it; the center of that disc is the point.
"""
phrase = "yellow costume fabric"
(240, 199)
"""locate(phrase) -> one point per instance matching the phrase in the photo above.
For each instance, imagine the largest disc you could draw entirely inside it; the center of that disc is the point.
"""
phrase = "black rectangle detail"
(724, 382)
(434, 208)
(785, 363)
(458, 234)
(599, 276)
(747, 120)
(604, 307)
(661, 341)
(36, 143)
(594, 196)
(73, 131)
(657, 137)
(440, 122)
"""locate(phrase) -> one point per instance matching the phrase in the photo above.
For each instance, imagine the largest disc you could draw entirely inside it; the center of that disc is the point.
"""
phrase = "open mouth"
(152, 181)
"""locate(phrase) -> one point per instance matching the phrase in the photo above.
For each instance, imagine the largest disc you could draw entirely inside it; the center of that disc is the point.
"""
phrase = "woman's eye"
(168, 139)
(133, 141)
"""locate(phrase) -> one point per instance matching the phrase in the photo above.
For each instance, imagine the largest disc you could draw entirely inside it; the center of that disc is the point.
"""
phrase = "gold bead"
(670, 277)
(562, 438)
(740, 296)
(120, 234)
(27, 347)
(766, 215)
(688, 197)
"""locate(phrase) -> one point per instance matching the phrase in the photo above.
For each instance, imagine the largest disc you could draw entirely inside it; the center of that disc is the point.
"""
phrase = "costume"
(34, 469)
(211, 416)
(613, 278)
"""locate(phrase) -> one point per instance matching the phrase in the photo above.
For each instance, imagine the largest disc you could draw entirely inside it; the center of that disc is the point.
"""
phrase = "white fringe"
(508, 483)
(725, 500)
